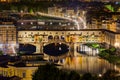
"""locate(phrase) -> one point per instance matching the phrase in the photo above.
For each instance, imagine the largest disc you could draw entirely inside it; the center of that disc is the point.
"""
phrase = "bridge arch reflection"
(55, 49)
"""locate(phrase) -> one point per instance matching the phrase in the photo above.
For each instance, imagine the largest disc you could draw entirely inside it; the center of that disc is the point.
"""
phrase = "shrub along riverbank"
(108, 54)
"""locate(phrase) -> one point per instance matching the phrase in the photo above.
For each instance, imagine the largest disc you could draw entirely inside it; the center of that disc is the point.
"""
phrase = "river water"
(84, 64)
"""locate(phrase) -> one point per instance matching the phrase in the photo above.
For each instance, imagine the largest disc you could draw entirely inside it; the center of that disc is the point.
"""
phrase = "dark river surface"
(84, 64)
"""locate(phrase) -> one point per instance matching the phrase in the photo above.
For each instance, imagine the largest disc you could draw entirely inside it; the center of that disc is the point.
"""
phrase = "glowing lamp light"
(60, 48)
(116, 44)
(31, 23)
(59, 23)
(60, 43)
(50, 23)
(22, 23)
(100, 75)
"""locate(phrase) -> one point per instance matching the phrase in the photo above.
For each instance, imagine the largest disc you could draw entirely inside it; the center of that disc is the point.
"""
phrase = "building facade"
(8, 1)
(8, 39)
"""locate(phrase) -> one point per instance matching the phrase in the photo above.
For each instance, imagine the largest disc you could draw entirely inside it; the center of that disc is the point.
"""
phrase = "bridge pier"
(73, 48)
(76, 48)
(39, 47)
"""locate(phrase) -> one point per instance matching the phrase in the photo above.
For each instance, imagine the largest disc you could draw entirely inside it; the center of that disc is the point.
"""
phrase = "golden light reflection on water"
(85, 64)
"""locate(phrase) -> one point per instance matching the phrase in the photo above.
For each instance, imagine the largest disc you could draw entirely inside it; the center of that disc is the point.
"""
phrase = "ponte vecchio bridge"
(72, 38)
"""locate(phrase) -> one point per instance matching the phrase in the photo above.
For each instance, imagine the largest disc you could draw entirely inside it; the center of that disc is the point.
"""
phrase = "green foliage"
(110, 7)
(104, 54)
(111, 59)
(110, 75)
(88, 44)
(46, 72)
(108, 54)
(21, 53)
(26, 5)
(112, 49)
(51, 72)
(101, 49)
(73, 76)
(1, 52)
(93, 45)
(87, 76)
(31, 11)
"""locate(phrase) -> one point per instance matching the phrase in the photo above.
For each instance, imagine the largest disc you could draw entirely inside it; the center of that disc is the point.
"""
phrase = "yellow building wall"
(9, 1)
(24, 72)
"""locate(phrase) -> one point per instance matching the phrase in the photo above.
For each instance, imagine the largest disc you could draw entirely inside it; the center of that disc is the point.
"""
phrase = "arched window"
(62, 37)
(50, 37)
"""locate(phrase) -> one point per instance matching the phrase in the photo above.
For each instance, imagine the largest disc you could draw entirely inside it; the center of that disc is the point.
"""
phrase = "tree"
(112, 50)
(87, 76)
(51, 72)
(46, 72)
(110, 75)
(1, 52)
(74, 76)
